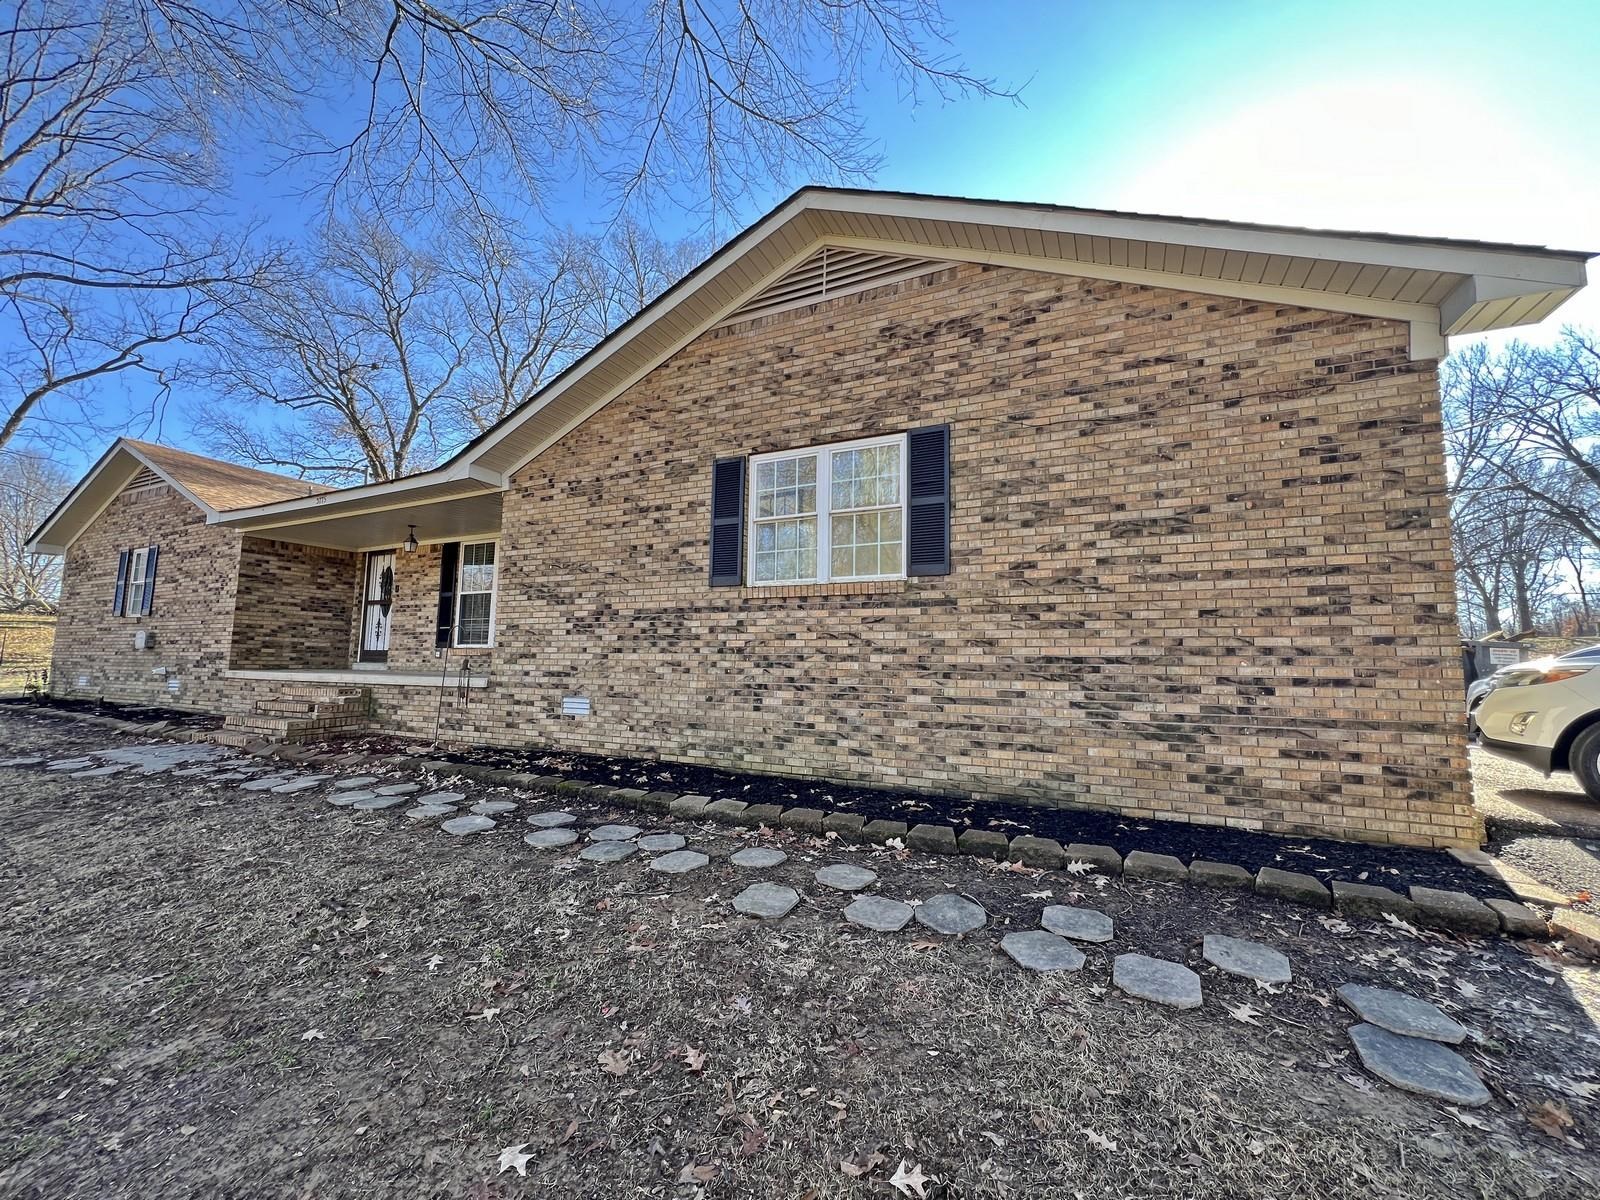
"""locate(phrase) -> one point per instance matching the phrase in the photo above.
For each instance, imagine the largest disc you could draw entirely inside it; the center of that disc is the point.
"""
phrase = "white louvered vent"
(830, 273)
(146, 480)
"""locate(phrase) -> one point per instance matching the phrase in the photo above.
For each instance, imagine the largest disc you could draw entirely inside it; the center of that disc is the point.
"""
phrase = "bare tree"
(106, 156)
(30, 487)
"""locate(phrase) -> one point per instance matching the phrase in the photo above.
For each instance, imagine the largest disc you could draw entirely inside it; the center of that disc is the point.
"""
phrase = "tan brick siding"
(191, 611)
(1202, 562)
(296, 606)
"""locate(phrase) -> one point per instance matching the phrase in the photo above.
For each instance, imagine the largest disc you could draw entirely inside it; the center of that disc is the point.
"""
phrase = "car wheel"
(1472, 722)
(1584, 761)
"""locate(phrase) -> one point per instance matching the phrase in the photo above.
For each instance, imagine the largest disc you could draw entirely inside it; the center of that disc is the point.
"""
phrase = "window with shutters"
(475, 595)
(138, 577)
(829, 513)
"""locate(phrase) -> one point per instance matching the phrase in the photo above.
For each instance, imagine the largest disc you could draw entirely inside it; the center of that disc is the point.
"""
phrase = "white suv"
(1546, 713)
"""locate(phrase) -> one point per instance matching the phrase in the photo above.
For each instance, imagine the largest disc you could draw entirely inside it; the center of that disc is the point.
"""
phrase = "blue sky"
(1466, 119)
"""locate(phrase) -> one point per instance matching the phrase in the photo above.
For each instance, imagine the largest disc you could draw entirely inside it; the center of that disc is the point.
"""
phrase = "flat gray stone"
(613, 833)
(1103, 859)
(398, 789)
(932, 839)
(769, 901)
(355, 781)
(679, 862)
(1156, 980)
(1043, 853)
(1251, 960)
(1293, 886)
(442, 798)
(1519, 920)
(554, 839)
(608, 852)
(806, 820)
(552, 820)
(471, 823)
(374, 803)
(757, 858)
(24, 761)
(96, 772)
(1041, 950)
(1418, 1065)
(304, 784)
(1402, 1014)
(1079, 924)
(660, 843)
(265, 783)
(878, 913)
(1456, 911)
(1142, 864)
(1227, 876)
(493, 808)
(951, 914)
(70, 764)
(343, 799)
(846, 877)
(427, 812)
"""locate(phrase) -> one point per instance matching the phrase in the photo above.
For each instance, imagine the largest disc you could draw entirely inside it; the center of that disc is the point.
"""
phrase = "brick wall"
(296, 606)
(1202, 562)
(191, 611)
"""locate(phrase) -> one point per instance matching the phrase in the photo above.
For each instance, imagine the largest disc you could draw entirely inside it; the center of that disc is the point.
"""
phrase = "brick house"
(1077, 507)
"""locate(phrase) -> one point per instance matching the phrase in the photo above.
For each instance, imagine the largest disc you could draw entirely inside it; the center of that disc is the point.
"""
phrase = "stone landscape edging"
(1433, 908)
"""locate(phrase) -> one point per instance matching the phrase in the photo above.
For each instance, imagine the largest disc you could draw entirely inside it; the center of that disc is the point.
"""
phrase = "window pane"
(764, 474)
(808, 469)
(766, 565)
(786, 550)
(478, 554)
(866, 560)
(843, 560)
(766, 539)
(472, 627)
(889, 558)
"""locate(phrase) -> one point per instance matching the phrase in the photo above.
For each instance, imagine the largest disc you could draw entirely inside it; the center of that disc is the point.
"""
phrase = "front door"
(376, 604)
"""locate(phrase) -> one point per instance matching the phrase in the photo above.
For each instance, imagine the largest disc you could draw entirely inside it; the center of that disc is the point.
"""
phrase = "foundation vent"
(830, 273)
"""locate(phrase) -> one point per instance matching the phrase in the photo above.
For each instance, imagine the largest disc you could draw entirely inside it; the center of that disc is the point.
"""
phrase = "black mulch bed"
(1390, 866)
(143, 713)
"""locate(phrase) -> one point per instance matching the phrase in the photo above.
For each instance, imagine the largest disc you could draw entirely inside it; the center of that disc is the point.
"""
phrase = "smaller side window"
(133, 598)
(475, 595)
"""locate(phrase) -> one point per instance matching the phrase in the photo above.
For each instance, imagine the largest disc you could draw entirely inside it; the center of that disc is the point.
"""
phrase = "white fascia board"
(1556, 268)
(389, 494)
(118, 447)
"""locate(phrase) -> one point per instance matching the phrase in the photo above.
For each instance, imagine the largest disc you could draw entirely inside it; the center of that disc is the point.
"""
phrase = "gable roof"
(211, 485)
(1439, 286)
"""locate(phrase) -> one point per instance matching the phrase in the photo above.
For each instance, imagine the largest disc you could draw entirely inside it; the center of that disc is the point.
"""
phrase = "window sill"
(852, 587)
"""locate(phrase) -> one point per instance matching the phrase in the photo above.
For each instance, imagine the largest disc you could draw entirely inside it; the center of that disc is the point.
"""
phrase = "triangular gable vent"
(830, 273)
(144, 481)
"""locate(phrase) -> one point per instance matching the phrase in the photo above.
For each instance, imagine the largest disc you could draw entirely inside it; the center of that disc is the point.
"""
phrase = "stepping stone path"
(1419, 1065)
(70, 764)
(757, 858)
(660, 843)
(265, 783)
(341, 799)
(426, 812)
(951, 914)
(375, 803)
(398, 789)
(878, 913)
(846, 877)
(450, 798)
(554, 839)
(679, 862)
(1156, 980)
(1041, 950)
(95, 772)
(1079, 924)
(460, 826)
(552, 820)
(1251, 960)
(303, 784)
(493, 808)
(1402, 1014)
(356, 781)
(768, 901)
(613, 833)
(21, 762)
(607, 852)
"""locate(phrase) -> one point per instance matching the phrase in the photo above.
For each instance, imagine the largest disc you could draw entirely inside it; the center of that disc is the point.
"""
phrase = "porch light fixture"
(410, 543)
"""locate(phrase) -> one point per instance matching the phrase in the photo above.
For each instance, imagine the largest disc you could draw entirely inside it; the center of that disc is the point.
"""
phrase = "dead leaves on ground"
(908, 1179)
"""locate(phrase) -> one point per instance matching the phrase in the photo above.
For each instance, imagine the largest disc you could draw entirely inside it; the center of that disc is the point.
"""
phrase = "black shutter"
(449, 558)
(122, 582)
(928, 501)
(149, 596)
(727, 522)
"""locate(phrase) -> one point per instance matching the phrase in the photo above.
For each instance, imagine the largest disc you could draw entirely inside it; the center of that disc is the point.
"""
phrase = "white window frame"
(133, 592)
(824, 516)
(494, 593)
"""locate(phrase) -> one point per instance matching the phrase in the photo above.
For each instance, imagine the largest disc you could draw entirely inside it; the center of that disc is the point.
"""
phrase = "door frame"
(364, 655)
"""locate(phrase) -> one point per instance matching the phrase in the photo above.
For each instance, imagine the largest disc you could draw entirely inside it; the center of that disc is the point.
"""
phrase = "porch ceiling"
(448, 511)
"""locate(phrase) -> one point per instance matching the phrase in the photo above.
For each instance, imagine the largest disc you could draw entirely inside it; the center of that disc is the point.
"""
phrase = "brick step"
(310, 708)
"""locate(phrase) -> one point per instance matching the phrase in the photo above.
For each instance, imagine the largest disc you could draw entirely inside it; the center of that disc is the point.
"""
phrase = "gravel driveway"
(1548, 827)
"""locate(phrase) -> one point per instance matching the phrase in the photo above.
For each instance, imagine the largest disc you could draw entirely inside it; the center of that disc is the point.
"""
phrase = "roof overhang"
(1438, 287)
(102, 484)
(442, 505)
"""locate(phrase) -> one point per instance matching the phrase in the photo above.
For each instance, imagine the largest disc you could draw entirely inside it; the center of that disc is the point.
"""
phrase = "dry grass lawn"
(214, 993)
